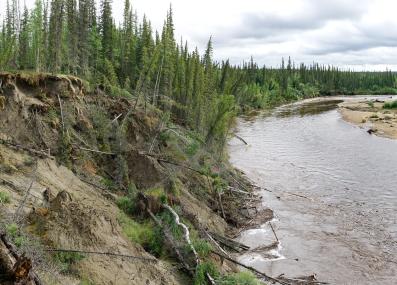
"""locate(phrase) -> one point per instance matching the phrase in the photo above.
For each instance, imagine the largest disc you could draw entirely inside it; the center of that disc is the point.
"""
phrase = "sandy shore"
(371, 116)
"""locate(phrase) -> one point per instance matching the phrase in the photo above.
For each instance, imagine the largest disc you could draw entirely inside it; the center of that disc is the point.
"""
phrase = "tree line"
(132, 59)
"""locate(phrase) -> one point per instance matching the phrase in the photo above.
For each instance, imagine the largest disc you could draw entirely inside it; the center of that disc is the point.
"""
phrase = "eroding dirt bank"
(73, 161)
(370, 115)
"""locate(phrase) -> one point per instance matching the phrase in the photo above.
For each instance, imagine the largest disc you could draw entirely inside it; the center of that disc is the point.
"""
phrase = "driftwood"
(241, 139)
(229, 243)
(274, 232)
(214, 242)
(16, 268)
(263, 275)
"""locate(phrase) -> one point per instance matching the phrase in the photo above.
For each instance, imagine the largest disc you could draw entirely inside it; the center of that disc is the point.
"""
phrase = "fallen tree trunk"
(17, 268)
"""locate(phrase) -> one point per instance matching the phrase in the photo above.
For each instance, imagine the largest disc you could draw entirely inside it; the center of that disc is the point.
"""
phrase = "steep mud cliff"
(71, 156)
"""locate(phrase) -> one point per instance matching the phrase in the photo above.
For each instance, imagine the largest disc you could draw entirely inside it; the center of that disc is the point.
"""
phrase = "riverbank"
(370, 115)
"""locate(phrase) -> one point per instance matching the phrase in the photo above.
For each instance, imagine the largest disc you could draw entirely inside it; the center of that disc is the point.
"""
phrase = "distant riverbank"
(370, 114)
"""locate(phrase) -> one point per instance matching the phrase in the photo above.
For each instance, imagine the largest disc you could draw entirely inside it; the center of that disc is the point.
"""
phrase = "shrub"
(202, 247)
(127, 204)
(157, 193)
(370, 104)
(66, 260)
(390, 105)
(17, 238)
(4, 198)
(201, 273)
(145, 234)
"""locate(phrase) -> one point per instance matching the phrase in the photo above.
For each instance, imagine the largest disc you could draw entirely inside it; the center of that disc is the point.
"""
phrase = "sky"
(348, 33)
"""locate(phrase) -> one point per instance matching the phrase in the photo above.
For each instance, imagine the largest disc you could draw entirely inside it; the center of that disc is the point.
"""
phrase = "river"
(333, 191)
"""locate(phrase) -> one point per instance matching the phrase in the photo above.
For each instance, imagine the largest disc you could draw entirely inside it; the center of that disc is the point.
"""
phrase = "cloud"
(340, 32)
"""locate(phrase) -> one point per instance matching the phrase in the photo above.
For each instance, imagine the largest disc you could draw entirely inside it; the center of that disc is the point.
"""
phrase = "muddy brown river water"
(333, 190)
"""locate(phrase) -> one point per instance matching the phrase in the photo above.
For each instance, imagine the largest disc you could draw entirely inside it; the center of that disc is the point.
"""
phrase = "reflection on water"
(307, 109)
(333, 192)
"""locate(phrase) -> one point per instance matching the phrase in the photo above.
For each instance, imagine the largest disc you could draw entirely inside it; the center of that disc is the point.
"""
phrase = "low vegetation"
(66, 261)
(143, 233)
(390, 105)
(4, 198)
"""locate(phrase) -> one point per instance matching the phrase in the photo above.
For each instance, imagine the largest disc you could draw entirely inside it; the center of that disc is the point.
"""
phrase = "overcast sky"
(349, 33)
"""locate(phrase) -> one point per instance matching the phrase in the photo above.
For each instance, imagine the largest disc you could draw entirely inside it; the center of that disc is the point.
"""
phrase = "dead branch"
(102, 253)
(32, 151)
(170, 239)
(63, 121)
(26, 195)
(96, 151)
(213, 241)
(221, 205)
(186, 230)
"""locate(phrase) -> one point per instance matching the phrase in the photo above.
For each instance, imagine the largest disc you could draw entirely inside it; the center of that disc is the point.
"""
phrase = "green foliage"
(15, 234)
(4, 198)
(219, 184)
(169, 220)
(201, 273)
(145, 234)
(390, 105)
(126, 204)
(370, 104)
(202, 247)
(157, 193)
(240, 278)
(12, 230)
(66, 260)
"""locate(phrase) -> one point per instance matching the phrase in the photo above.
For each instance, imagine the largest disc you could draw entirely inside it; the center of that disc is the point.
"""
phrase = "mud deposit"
(332, 188)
